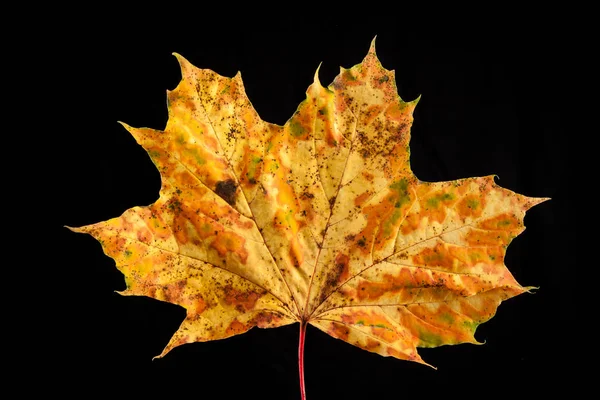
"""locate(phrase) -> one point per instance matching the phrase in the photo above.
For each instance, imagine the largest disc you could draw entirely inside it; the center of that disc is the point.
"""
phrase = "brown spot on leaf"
(337, 274)
(368, 176)
(266, 319)
(342, 265)
(226, 190)
(173, 292)
(144, 235)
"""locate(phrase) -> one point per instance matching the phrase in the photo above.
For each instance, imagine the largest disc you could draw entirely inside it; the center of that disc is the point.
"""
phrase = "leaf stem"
(301, 358)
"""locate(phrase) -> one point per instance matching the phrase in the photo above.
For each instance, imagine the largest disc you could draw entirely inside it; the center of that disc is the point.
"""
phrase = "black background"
(493, 102)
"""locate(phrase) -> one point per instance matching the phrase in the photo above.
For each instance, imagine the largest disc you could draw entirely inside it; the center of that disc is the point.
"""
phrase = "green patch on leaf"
(296, 129)
(429, 339)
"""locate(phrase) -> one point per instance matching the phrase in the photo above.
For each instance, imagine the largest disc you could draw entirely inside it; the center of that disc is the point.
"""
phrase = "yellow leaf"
(320, 221)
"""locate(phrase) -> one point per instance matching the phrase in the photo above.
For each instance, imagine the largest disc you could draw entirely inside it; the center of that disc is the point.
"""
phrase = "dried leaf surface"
(319, 221)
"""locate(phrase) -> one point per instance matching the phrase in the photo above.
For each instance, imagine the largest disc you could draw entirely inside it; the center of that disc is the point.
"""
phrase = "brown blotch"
(295, 253)
(144, 235)
(368, 176)
(342, 264)
(242, 301)
(173, 292)
(266, 319)
(226, 190)
(338, 273)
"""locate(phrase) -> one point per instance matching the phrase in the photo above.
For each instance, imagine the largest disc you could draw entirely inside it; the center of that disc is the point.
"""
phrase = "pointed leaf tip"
(125, 125)
(184, 64)
(372, 47)
(316, 77)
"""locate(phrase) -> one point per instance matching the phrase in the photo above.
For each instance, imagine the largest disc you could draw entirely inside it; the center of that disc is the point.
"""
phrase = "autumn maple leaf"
(320, 221)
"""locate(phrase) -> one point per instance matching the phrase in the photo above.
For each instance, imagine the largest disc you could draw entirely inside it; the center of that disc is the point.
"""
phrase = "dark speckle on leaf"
(226, 189)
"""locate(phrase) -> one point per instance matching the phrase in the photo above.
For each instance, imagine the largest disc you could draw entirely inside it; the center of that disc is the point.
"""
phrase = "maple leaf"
(320, 221)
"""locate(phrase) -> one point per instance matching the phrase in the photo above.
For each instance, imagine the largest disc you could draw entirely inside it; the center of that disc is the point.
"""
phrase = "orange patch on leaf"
(172, 292)
(371, 344)
(226, 242)
(410, 223)
(253, 166)
(339, 331)
(295, 253)
(371, 113)
(387, 334)
(361, 198)
(395, 353)
(242, 301)
(383, 219)
(144, 235)
(342, 265)
(502, 222)
(470, 205)
(390, 285)
(398, 112)
(477, 237)
(360, 317)
(266, 319)
(368, 176)
(235, 328)
(439, 256)
(197, 307)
